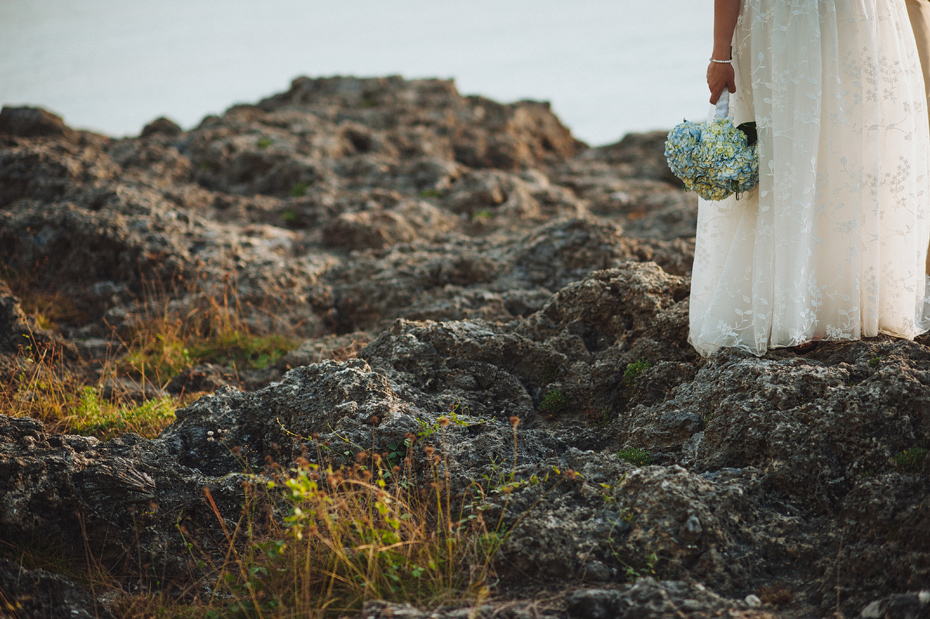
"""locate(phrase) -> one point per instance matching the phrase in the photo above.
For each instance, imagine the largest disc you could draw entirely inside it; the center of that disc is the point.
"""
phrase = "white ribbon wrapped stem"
(723, 104)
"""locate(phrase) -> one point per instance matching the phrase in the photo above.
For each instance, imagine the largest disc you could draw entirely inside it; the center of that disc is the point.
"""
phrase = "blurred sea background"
(609, 67)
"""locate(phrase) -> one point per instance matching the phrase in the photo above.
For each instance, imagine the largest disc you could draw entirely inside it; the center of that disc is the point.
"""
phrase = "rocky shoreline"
(434, 253)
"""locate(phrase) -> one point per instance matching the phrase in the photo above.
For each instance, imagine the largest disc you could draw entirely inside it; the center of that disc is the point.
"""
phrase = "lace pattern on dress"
(832, 244)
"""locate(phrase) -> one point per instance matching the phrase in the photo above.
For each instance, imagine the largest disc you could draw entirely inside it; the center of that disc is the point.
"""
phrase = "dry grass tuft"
(172, 336)
(167, 337)
(45, 387)
(342, 536)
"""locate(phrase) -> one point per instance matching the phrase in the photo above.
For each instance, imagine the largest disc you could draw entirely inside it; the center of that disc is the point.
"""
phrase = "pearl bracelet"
(722, 61)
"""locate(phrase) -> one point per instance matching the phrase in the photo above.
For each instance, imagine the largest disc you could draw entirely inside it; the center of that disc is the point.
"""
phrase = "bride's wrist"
(722, 52)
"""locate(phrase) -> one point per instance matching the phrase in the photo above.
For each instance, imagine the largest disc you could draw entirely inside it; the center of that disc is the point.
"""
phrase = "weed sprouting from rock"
(428, 429)
(600, 417)
(635, 456)
(633, 370)
(910, 460)
(554, 403)
(647, 570)
(290, 217)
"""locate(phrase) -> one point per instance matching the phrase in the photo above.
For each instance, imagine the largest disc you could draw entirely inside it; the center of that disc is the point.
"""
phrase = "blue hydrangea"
(713, 159)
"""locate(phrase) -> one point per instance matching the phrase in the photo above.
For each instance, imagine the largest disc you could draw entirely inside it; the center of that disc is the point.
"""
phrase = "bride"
(832, 243)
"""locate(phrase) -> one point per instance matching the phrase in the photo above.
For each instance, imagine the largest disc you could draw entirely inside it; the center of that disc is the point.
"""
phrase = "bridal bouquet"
(714, 159)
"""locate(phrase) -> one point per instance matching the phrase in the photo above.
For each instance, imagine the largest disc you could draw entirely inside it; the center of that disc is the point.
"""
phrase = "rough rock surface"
(445, 254)
(37, 593)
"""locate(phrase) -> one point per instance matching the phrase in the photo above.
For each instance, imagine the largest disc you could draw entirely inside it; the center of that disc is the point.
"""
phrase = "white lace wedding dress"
(832, 243)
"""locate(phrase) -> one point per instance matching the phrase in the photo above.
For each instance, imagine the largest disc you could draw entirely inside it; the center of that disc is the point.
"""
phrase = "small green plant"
(910, 459)
(105, 419)
(640, 569)
(635, 456)
(609, 497)
(264, 142)
(428, 429)
(874, 362)
(430, 193)
(398, 451)
(633, 370)
(162, 358)
(237, 348)
(482, 216)
(290, 217)
(554, 403)
(206, 166)
(634, 574)
(299, 190)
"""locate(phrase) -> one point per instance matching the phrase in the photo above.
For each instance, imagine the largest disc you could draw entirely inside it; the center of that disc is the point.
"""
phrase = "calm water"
(607, 66)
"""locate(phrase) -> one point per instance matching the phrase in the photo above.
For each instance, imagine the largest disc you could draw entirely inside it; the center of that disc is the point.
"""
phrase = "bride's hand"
(720, 76)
